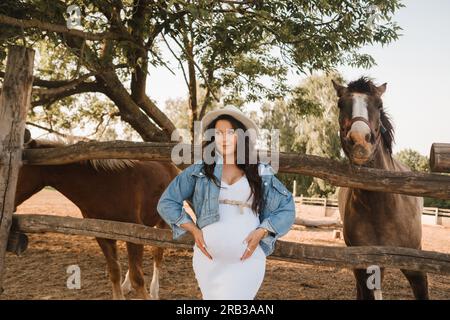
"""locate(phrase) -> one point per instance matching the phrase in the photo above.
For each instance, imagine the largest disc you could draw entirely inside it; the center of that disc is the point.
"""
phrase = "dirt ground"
(41, 272)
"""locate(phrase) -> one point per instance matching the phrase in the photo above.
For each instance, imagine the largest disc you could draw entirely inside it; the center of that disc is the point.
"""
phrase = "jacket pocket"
(199, 191)
(276, 194)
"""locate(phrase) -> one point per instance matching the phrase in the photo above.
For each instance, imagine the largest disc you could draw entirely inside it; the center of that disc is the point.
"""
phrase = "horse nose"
(359, 152)
(358, 138)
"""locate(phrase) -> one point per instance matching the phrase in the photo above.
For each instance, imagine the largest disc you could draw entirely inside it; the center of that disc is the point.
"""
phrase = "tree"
(419, 163)
(413, 159)
(177, 109)
(231, 46)
(308, 123)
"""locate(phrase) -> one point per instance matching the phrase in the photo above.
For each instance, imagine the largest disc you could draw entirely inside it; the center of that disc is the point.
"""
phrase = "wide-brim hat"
(232, 111)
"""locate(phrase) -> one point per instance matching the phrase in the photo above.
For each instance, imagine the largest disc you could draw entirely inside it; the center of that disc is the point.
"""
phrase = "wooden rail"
(344, 257)
(337, 173)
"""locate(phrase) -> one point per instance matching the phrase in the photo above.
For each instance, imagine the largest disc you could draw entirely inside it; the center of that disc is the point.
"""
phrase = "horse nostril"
(368, 136)
(350, 141)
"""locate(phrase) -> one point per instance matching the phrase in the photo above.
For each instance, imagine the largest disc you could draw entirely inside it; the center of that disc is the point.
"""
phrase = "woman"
(241, 208)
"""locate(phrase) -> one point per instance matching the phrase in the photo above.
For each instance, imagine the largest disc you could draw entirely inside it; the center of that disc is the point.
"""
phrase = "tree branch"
(57, 132)
(38, 82)
(61, 93)
(33, 23)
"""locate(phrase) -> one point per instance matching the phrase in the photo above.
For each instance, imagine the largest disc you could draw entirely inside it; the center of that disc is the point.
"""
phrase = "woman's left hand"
(252, 241)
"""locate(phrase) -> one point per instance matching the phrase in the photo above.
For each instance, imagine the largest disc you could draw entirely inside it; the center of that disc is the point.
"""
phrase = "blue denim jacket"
(192, 185)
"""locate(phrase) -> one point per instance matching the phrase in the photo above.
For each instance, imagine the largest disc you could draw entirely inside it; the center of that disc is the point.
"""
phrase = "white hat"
(232, 111)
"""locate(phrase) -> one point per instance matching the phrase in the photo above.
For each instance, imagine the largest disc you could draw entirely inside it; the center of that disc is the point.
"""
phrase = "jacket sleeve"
(279, 221)
(170, 205)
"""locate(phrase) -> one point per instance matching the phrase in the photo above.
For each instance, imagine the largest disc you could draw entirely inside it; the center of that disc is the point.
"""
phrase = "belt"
(241, 204)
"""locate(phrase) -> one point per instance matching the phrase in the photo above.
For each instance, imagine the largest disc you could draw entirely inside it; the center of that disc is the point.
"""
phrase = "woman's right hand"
(200, 242)
(198, 237)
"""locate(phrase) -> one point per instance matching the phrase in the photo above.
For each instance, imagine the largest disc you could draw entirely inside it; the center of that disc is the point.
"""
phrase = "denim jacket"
(192, 185)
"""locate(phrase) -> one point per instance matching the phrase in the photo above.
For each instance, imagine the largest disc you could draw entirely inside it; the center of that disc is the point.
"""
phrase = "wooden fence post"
(14, 102)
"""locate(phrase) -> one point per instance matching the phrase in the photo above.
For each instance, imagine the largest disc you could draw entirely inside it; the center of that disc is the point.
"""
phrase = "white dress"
(226, 276)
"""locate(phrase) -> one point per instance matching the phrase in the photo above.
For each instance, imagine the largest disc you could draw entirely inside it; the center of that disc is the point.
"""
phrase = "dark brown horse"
(110, 189)
(375, 218)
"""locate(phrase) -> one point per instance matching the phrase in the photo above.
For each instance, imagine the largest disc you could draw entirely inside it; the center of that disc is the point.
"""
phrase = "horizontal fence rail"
(317, 201)
(343, 257)
(337, 173)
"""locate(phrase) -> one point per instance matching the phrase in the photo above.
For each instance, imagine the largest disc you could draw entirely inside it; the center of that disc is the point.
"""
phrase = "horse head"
(362, 120)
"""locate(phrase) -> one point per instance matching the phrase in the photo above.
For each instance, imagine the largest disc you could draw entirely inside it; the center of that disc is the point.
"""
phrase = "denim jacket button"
(265, 183)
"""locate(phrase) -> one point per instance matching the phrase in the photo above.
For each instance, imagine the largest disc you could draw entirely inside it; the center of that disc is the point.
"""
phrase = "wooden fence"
(14, 102)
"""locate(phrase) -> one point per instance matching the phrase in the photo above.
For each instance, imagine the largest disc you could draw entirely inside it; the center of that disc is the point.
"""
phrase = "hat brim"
(212, 115)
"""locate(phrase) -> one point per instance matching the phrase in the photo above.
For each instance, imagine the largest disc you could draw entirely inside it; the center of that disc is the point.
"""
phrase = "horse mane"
(362, 85)
(106, 165)
(366, 85)
(388, 135)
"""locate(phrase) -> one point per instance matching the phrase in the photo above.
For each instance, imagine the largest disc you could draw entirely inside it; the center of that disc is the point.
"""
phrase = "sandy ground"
(41, 272)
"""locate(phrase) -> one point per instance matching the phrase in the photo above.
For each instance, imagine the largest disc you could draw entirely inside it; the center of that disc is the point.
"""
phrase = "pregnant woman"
(241, 208)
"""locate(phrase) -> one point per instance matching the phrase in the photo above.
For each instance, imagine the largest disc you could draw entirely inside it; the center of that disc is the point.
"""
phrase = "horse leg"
(157, 260)
(418, 282)
(157, 253)
(109, 248)
(135, 272)
(377, 293)
(126, 284)
(362, 291)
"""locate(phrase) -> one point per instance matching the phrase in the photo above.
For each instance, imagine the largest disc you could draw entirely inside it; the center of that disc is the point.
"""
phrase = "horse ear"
(340, 90)
(381, 89)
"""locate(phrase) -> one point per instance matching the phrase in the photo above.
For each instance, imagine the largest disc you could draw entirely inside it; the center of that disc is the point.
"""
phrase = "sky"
(416, 68)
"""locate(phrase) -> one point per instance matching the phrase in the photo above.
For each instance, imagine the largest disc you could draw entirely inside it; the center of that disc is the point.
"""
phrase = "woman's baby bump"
(225, 239)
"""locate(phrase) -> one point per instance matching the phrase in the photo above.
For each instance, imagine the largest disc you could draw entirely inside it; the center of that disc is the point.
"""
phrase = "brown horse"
(109, 189)
(375, 218)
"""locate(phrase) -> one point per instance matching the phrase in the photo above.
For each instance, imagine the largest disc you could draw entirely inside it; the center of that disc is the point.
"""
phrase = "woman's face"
(226, 139)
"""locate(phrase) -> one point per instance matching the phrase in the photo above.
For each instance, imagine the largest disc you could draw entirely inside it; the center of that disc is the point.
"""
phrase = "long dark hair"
(250, 169)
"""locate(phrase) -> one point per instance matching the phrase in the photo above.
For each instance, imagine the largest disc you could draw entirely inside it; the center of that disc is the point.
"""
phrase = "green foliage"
(413, 159)
(307, 123)
(439, 203)
(241, 50)
(179, 113)
(419, 163)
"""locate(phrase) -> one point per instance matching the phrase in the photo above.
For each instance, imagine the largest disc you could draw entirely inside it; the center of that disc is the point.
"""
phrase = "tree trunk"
(14, 103)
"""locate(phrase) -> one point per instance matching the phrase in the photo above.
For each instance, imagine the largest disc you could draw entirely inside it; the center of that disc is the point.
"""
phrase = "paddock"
(333, 258)
(27, 277)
